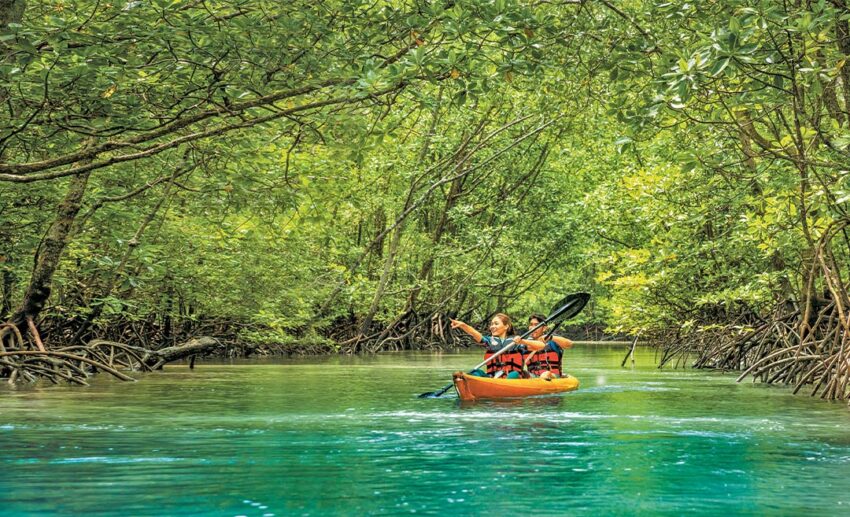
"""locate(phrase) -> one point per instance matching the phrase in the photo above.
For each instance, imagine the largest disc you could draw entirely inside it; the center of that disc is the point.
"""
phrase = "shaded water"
(345, 435)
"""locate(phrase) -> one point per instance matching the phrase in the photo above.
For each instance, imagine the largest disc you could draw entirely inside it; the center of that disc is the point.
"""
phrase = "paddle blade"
(569, 307)
(435, 394)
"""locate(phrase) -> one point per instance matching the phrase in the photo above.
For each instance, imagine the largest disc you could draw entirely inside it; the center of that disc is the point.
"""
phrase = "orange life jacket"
(546, 360)
(510, 361)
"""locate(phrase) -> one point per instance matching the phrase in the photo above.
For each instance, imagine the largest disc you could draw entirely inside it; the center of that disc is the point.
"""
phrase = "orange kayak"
(470, 387)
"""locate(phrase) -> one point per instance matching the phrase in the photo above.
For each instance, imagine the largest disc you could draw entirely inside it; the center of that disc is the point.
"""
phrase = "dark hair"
(536, 316)
(506, 320)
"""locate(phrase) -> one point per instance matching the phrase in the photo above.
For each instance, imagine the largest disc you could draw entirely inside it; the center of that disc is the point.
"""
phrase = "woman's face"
(498, 327)
(533, 322)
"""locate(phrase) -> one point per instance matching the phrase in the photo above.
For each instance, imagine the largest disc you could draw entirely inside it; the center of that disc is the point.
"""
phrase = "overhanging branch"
(154, 150)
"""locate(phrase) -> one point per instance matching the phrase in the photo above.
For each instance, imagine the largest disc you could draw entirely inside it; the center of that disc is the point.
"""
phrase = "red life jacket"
(546, 360)
(510, 361)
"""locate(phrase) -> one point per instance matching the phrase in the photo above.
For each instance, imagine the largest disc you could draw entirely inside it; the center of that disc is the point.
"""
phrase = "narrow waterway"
(343, 435)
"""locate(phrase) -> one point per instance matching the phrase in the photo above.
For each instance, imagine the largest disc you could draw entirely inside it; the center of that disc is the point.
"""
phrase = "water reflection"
(512, 403)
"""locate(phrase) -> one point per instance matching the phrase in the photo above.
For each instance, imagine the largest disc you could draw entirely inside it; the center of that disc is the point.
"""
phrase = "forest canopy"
(348, 174)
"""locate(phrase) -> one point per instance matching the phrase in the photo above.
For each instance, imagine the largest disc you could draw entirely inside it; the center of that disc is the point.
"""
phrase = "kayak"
(471, 387)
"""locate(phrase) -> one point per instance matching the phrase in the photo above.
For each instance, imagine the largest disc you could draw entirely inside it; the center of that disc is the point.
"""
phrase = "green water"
(348, 436)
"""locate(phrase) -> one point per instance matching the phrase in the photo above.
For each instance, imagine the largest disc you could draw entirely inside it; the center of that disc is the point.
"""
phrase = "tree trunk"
(842, 40)
(11, 11)
(50, 252)
(116, 274)
(383, 281)
(442, 226)
(746, 131)
(197, 346)
(8, 284)
(388, 263)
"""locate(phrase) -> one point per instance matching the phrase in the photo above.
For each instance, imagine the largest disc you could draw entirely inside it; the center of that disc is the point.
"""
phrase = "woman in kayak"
(545, 362)
(508, 363)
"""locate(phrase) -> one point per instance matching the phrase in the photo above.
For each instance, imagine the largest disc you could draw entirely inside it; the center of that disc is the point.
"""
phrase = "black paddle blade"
(435, 394)
(567, 308)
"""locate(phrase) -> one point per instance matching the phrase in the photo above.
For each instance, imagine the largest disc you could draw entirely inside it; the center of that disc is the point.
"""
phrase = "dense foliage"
(350, 173)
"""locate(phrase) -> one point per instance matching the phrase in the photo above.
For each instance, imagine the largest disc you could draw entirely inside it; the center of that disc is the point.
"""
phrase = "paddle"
(571, 305)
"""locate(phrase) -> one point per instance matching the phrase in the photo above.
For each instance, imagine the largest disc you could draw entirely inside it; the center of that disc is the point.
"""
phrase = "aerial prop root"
(77, 363)
(800, 342)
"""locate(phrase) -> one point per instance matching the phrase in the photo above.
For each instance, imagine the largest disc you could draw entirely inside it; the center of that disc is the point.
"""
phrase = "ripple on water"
(689, 432)
(116, 460)
(480, 415)
(618, 388)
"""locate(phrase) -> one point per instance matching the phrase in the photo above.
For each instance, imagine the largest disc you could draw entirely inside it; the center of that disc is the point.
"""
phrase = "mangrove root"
(75, 364)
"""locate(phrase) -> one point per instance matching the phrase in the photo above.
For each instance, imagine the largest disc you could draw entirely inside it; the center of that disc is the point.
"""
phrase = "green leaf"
(720, 65)
(623, 144)
(734, 25)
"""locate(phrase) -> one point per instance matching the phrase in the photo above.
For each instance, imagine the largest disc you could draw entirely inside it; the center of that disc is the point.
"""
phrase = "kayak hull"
(470, 387)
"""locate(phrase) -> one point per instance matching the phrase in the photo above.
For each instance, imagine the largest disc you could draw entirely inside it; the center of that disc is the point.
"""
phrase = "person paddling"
(545, 362)
(510, 362)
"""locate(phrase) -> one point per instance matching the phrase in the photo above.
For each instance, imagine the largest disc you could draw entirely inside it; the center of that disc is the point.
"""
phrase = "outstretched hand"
(457, 324)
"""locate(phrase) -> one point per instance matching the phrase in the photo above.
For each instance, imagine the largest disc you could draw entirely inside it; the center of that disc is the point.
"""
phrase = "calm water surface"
(348, 436)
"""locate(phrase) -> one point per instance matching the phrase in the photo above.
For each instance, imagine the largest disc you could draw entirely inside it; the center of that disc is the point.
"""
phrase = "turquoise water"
(345, 435)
